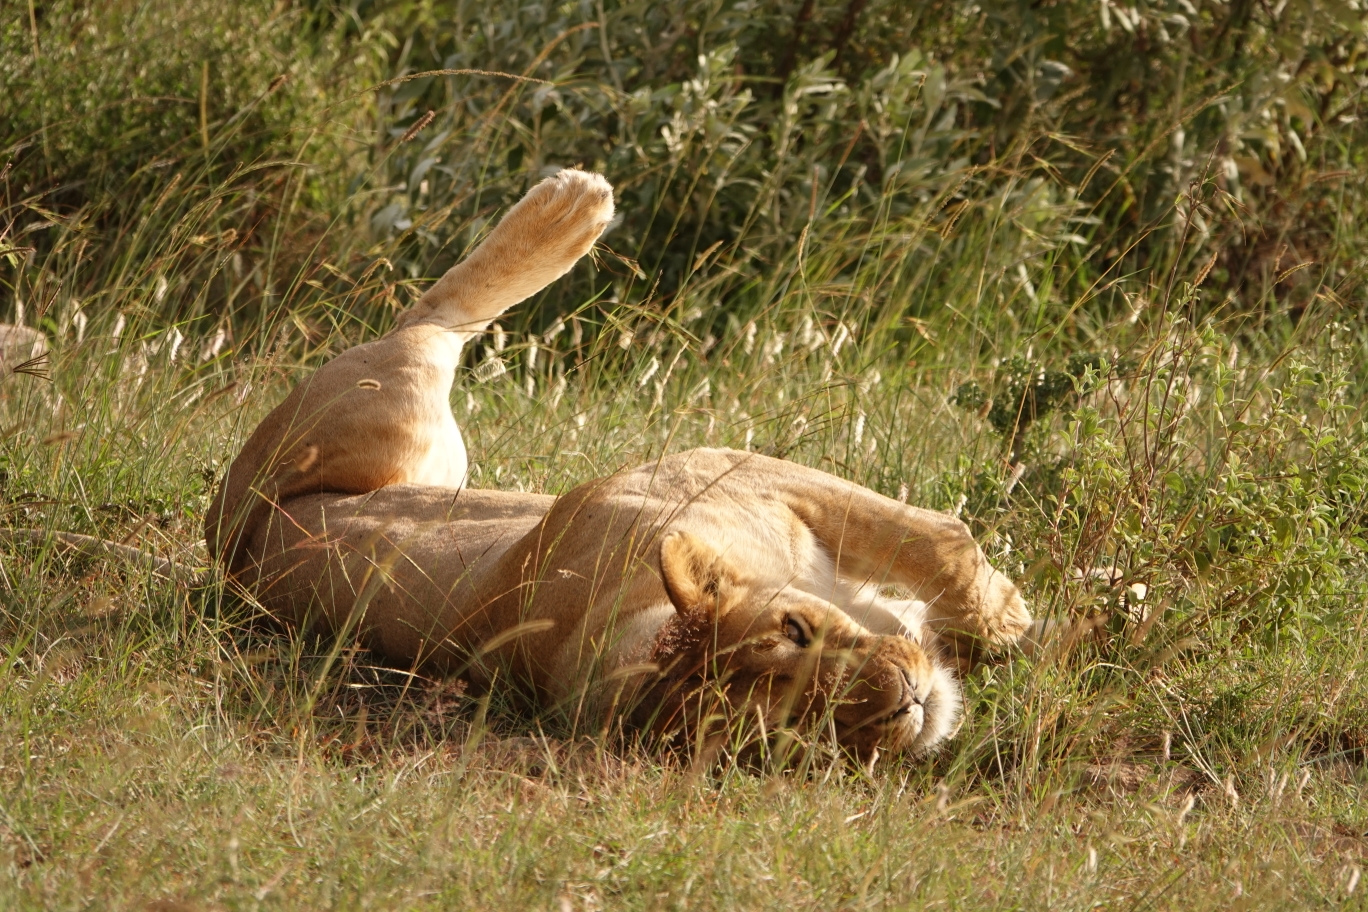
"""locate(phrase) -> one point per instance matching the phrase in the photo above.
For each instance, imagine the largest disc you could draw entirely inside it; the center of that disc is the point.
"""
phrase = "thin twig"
(90, 546)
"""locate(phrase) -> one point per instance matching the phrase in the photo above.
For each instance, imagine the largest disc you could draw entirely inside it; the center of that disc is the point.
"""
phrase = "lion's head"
(787, 657)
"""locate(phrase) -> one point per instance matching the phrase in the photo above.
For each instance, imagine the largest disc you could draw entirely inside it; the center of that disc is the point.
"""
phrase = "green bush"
(1019, 161)
(750, 125)
(175, 160)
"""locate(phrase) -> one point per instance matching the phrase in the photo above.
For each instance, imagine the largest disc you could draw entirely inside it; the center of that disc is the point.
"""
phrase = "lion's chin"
(914, 731)
(940, 713)
(904, 729)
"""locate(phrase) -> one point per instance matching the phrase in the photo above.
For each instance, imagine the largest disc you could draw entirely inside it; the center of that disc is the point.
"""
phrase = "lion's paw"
(567, 211)
(994, 614)
(1002, 613)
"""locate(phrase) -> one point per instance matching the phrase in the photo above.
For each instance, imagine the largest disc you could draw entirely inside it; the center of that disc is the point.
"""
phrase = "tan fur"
(712, 583)
(378, 414)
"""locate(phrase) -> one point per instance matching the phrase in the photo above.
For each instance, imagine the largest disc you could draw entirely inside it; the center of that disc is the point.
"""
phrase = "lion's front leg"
(877, 540)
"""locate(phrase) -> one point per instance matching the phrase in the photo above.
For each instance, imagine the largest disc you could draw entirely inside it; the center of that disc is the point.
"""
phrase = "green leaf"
(1283, 529)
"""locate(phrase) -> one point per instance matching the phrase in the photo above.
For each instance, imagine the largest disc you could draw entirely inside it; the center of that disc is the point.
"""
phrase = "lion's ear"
(697, 576)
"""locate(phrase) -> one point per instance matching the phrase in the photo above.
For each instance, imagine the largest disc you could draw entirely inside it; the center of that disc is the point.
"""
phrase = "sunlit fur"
(379, 414)
(734, 635)
(638, 591)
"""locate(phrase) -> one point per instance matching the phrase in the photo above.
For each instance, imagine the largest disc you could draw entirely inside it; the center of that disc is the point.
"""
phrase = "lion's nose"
(909, 691)
(909, 696)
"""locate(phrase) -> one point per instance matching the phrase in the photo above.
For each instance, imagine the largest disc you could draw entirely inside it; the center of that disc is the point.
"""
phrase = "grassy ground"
(160, 743)
(1150, 412)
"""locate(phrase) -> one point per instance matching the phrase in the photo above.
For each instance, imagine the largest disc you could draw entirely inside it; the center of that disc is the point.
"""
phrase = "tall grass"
(1167, 448)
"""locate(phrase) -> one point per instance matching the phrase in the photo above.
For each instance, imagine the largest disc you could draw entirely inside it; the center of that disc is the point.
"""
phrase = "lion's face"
(792, 658)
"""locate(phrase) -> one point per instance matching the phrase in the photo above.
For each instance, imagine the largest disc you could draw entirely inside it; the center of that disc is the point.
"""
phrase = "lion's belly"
(408, 566)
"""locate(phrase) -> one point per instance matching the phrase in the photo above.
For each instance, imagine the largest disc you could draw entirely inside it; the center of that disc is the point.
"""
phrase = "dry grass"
(163, 746)
(162, 743)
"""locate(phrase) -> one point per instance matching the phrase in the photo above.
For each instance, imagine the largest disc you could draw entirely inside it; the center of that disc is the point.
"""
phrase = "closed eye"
(797, 632)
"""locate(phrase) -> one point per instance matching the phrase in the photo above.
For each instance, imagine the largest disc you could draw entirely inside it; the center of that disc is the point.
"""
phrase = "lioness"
(710, 584)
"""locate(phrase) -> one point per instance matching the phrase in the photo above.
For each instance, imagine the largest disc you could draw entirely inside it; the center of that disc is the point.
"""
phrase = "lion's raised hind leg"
(537, 242)
(379, 414)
